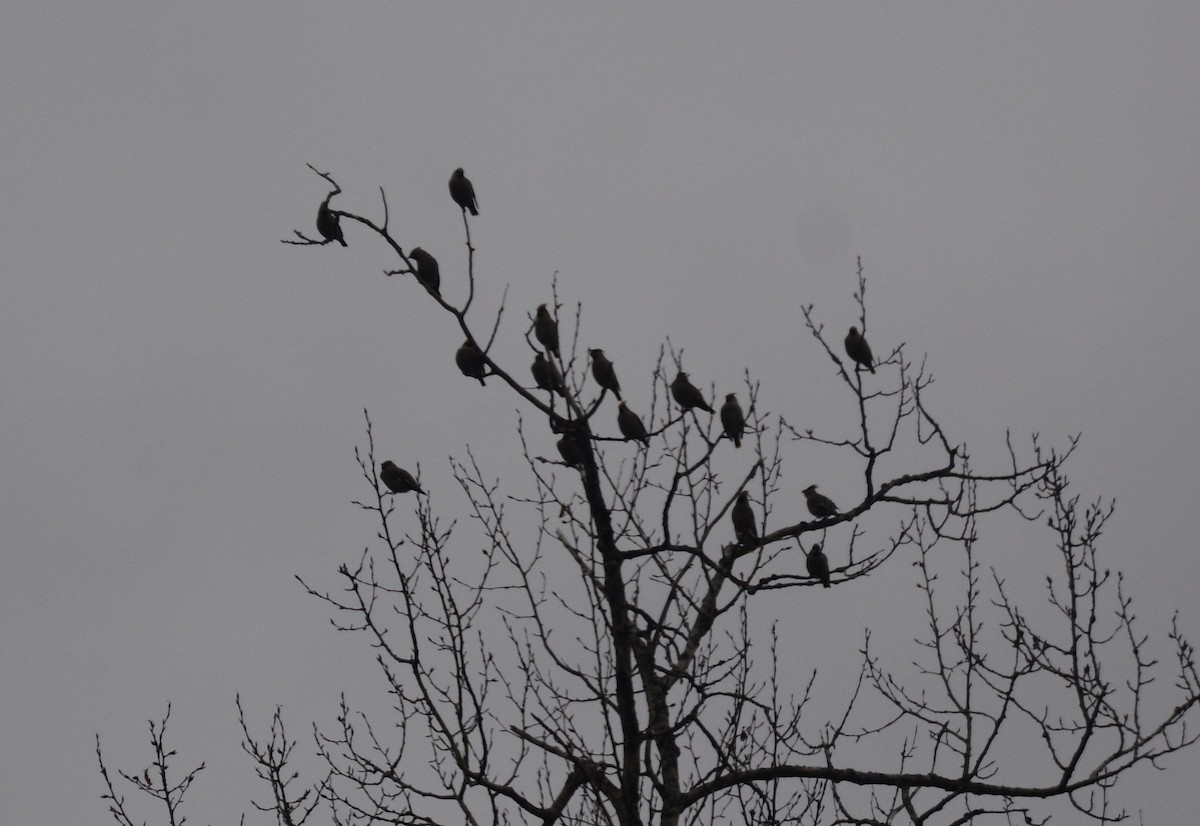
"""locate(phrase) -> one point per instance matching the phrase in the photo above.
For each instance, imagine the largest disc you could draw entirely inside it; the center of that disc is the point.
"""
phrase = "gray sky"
(181, 394)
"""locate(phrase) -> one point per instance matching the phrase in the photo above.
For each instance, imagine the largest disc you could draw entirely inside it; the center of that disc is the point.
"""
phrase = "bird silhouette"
(426, 270)
(819, 505)
(545, 328)
(745, 530)
(630, 425)
(571, 451)
(463, 192)
(605, 375)
(817, 564)
(858, 349)
(398, 479)
(546, 375)
(470, 361)
(329, 225)
(686, 394)
(733, 420)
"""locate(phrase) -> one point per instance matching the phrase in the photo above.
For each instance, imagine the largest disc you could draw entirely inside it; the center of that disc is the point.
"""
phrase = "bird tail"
(342, 241)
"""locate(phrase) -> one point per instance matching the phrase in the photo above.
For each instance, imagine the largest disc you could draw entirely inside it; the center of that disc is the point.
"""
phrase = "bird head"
(811, 489)
(388, 464)
(458, 172)
(853, 331)
(731, 397)
(816, 548)
(597, 353)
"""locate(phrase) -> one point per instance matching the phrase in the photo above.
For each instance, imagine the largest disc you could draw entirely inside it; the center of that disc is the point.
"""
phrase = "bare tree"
(652, 678)
(155, 780)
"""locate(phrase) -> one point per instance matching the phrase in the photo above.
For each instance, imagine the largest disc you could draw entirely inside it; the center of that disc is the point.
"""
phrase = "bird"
(398, 479)
(686, 395)
(733, 420)
(426, 270)
(858, 349)
(470, 361)
(819, 505)
(630, 425)
(571, 451)
(546, 329)
(818, 564)
(463, 192)
(745, 529)
(329, 225)
(602, 370)
(546, 375)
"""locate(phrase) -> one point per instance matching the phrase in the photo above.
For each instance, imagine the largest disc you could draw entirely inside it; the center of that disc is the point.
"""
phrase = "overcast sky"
(181, 394)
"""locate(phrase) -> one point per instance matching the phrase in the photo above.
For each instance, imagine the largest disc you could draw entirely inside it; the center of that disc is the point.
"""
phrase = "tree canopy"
(611, 636)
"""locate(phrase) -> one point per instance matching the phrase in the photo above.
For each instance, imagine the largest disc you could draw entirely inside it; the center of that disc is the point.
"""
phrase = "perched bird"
(427, 270)
(545, 328)
(631, 425)
(571, 451)
(745, 530)
(602, 370)
(462, 192)
(329, 225)
(470, 361)
(858, 349)
(546, 375)
(686, 395)
(819, 505)
(398, 479)
(733, 420)
(818, 564)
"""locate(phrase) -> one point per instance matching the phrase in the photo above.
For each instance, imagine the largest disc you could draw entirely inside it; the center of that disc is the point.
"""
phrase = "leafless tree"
(155, 780)
(616, 656)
